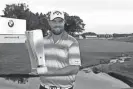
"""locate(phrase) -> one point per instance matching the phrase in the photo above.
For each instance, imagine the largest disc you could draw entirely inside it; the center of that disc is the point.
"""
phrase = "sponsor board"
(12, 26)
(12, 30)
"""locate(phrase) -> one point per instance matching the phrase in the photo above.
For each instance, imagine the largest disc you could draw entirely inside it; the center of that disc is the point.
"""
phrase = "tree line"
(39, 20)
(115, 35)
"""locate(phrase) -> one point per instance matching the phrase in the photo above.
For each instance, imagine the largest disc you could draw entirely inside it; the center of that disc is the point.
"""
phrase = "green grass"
(92, 51)
(124, 39)
(14, 58)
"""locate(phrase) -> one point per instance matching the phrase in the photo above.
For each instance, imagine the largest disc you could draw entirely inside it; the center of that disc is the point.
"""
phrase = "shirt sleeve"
(74, 54)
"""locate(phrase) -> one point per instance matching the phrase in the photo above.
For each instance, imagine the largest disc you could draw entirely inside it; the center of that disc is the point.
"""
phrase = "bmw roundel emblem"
(10, 23)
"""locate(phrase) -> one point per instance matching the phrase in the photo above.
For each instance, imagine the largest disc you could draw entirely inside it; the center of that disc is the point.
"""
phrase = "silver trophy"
(35, 47)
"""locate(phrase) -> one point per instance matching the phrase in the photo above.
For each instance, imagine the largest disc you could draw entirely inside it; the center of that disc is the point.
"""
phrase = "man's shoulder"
(71, 38)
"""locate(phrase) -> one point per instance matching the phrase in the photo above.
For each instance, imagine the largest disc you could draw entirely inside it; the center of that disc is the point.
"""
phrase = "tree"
(39, 21)
(22, 11)
(16, 11)
(74, 24)
(89, 33)
(43, 23)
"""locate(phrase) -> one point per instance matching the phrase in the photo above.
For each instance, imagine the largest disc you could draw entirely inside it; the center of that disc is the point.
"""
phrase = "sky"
(100, 16)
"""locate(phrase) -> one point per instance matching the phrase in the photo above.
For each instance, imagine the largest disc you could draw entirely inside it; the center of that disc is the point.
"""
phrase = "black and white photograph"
(66, 44)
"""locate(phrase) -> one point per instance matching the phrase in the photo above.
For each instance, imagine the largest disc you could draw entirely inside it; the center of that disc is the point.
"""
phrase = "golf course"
(92, 52)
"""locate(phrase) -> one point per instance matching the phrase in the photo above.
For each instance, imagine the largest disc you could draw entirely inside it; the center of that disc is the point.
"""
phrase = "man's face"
(57, 25)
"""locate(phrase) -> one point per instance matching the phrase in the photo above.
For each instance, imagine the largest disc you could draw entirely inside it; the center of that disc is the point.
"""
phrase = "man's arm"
(68, 70)
(74, 63)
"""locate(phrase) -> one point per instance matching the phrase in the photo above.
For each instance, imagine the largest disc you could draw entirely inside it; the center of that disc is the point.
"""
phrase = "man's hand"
(42, 70)
(39, 71)
(34, 72)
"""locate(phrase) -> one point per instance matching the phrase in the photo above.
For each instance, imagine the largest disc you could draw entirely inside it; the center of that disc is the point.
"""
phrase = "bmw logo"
(10, 23)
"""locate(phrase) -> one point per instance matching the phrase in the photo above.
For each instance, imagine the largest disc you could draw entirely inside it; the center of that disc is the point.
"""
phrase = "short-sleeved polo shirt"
(59, 55)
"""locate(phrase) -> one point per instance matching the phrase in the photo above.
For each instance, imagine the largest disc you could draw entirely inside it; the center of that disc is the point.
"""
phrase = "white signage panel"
(12, 26)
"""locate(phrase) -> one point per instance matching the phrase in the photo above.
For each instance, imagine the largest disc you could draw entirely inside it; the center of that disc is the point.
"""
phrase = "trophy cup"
(35, 47)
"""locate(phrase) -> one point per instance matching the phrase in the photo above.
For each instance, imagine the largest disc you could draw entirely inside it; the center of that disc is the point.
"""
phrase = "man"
(62, 55)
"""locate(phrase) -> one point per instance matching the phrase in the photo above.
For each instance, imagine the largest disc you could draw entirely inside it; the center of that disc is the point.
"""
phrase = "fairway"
(14, 56)
(94, 49)
(11, 62)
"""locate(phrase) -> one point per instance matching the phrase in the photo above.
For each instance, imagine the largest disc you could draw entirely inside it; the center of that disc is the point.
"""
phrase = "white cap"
(55, 14)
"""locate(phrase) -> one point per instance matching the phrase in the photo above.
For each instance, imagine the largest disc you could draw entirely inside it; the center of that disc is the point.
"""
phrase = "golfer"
(62, 55)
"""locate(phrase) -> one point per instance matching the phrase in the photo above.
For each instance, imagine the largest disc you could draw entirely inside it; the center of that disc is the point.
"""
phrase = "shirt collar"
(63, 37)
